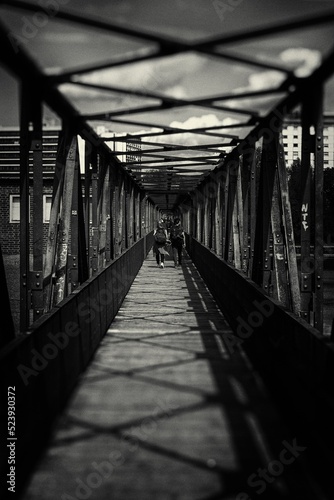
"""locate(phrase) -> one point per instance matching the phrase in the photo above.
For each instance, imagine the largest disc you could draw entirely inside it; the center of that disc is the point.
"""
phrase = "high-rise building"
(292, 138)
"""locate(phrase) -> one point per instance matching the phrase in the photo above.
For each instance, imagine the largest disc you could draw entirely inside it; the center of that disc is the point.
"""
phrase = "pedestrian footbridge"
(143, 387)
(124, 381)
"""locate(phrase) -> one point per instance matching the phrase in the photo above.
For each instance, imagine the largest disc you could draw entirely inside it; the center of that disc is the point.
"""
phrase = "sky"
(59, 46)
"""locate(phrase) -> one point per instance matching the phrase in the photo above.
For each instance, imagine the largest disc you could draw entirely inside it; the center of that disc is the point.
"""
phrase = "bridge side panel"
(44, 365)
(294, 358)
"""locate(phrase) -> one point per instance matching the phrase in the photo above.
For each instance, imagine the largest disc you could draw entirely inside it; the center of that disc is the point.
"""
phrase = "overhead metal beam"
(166, 102)
(167, 130)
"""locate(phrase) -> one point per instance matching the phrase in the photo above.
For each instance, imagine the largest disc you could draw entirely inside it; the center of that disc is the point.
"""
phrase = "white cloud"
(262, 80)
(265, 80)
(193, 139)
(304, 61)
(158, 75)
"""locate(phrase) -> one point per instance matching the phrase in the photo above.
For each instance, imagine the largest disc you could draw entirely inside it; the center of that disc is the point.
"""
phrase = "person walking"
(177, 240)
(160, 239)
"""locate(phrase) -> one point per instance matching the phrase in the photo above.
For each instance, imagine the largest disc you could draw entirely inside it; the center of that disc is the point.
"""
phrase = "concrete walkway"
(165, 411)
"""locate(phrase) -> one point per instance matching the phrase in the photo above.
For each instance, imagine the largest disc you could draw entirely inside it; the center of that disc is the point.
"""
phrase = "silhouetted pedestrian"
(160, 239)
(177, 240)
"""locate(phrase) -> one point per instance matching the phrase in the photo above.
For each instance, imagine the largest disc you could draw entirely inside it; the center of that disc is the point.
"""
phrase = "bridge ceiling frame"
(159, 47)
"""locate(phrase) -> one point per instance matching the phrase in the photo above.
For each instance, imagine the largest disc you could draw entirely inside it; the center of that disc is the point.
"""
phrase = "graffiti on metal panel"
(305, 216)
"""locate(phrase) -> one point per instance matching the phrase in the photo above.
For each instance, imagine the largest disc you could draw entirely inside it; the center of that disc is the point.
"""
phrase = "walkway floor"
(165, 411)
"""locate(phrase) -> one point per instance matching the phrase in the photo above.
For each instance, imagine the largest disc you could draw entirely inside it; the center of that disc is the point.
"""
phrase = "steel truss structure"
(238, 208)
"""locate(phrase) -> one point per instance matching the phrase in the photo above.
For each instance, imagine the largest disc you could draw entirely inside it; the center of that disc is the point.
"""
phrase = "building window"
(295, 145)
(47, 202)
(14, 208)
(295, 136)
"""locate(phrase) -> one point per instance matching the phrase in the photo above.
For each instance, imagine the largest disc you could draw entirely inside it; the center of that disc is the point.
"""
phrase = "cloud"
(188, 138)
(304, 61)
(209, 120)
(160, 75)
(262, 80)
(265, 80)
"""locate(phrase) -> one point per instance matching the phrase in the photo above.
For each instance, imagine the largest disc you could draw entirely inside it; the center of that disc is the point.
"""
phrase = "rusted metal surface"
(61, 263)
(318, 210)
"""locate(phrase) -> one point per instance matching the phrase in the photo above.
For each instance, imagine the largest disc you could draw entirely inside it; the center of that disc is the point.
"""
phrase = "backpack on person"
(160, 236)
(176, 233)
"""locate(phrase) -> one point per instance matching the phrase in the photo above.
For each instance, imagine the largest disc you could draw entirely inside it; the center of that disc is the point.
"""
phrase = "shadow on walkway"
(166, 412)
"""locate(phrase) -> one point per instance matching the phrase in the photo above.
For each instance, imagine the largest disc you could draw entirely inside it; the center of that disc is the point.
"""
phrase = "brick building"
(10, 180)
(10, 185)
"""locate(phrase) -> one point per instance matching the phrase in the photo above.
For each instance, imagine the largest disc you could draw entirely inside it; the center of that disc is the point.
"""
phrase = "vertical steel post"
(94, 248)
(262, 265)
(25, 294)
(287, 226)
(82, 239)
(232, 246)
(36, 276)
(73, 257)
(318, 210)
(51, 243)
(280, 274)
(306, 262)
(108, 204)
(121, 217)
(218, 220)
(223, 182)
(131, 214)
(103, 209)
(88, 180)
(206, 220)
(112, 223)
(246, 172)
(137, 215)
(252, 221)
(116, 214)
(60, 288)
(198, 216)
(238, 222)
